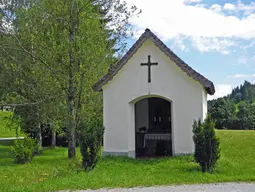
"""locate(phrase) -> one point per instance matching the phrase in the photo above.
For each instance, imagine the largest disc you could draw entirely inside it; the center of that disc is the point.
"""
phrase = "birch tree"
(71, 42)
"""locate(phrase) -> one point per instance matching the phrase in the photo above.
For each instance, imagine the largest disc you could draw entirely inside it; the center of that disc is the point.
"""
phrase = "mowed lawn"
(52, 170)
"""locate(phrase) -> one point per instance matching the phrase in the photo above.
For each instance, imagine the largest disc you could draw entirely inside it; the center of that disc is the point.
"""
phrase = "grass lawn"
(6, 131)
(52, 171)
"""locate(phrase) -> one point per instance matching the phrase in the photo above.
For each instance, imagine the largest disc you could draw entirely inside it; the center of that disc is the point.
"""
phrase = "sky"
(216, 38)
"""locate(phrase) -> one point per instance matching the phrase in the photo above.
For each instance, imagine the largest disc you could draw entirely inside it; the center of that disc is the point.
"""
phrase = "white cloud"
(220, 91)
(236, 76)
(247, 8)
(216, 8)
(249, 45)
(239, 6)
(171, 18)
(192, 1)
(178, 43)
(202, 5)
(229, 6)
(242, 60)
(253, 79)
(205, 44)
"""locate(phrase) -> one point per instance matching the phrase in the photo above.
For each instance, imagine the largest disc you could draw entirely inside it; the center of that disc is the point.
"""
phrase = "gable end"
(208, 85)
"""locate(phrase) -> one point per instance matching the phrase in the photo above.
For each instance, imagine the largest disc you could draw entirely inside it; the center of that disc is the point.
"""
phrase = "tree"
(235, 111)
(223, 111)
(72, 44)
(246, 115)
(207, 145)
(90, 145)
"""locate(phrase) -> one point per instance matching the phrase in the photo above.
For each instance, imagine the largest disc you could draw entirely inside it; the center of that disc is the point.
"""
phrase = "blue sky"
(216, 38)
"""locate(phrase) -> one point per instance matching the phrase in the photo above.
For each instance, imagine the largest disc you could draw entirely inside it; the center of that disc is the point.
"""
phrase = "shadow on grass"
(121, 160)
(194, 168)
(6, 143)
(48, 160)
(147, 161)
(197, 168)
(5, 155)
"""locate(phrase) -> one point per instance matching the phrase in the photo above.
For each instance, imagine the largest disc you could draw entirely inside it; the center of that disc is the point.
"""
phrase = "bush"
(90, 140)
(207, 150)
(22, 150)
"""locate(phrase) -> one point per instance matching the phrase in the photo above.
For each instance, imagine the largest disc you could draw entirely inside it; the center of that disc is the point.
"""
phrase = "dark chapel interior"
(153, 124)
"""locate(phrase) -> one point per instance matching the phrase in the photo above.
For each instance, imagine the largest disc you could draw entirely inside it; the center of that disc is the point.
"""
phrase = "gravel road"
(218, 187)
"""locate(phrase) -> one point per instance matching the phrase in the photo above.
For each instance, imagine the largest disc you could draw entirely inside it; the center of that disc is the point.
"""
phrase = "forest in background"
(236, 110)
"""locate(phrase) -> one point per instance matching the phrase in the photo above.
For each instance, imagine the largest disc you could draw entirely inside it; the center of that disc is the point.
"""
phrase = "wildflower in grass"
(41, 179)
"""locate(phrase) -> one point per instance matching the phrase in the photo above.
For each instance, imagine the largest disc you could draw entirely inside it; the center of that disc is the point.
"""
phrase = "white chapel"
(150, 99)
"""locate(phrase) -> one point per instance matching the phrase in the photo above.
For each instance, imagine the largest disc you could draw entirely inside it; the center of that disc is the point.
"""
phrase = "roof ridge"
(167, 51)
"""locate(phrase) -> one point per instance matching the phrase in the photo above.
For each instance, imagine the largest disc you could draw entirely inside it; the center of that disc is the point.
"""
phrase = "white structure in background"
(150, 99)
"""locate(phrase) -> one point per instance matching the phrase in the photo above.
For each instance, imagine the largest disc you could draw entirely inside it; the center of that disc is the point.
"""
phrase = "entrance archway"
(153, 127)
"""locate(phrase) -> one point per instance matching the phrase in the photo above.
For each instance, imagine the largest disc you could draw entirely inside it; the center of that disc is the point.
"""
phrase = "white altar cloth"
(157, 136)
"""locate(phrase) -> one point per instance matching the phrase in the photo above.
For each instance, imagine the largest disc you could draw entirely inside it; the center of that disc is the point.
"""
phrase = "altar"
(153, 144)
(157, 137)
(157, 144)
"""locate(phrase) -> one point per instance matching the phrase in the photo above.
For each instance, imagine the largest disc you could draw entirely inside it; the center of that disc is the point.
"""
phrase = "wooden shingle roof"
(208, 85)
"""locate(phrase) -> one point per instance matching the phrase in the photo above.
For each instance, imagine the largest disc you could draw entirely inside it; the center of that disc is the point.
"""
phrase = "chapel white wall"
(168, 81)
(204, 97)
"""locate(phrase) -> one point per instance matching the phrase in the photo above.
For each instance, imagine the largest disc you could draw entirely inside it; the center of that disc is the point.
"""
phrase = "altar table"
(157, 137)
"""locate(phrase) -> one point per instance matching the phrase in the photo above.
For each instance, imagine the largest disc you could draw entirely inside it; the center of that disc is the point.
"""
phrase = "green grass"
(5, 130)
(52, 171)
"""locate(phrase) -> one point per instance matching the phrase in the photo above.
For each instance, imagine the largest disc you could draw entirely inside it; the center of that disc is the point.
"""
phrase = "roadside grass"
(5, 129)
(52, 170)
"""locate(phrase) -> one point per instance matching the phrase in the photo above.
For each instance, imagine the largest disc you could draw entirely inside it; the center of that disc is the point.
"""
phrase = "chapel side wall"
(204, 96)
(169, 82)
(115, 123)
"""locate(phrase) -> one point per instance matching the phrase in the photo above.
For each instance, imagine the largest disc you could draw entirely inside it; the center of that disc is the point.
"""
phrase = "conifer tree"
(207, 145)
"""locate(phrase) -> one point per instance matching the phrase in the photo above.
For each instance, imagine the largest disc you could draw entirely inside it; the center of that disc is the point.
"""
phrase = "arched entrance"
(153, 127)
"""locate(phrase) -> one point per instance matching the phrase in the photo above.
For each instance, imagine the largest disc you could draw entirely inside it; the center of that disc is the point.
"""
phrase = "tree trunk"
(71, 89)
(71, 128)
(203, 167)
(71, 108)
(38, 139)
(53, 139)
(39, 135)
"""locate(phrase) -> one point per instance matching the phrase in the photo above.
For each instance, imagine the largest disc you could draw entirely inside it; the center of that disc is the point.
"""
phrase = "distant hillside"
(236, 110)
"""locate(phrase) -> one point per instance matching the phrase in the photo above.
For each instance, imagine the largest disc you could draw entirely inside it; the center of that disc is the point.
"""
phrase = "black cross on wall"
(149, 64)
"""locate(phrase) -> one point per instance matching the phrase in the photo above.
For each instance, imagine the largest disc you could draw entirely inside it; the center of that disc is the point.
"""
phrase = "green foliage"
(235, 111)
(54, 55)
(23, 150)
(207, 150)
(90, 140)
(8, 128)
(246, 115)
(224, 111)
(245, 92)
